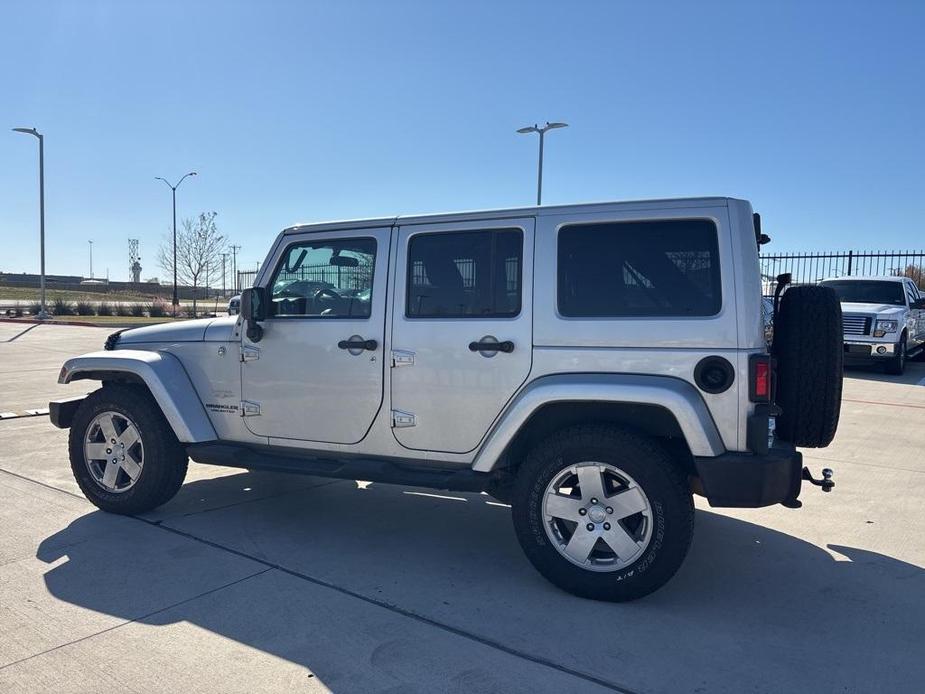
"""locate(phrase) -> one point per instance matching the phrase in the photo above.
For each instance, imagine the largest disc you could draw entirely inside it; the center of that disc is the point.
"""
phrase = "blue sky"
(308, 111)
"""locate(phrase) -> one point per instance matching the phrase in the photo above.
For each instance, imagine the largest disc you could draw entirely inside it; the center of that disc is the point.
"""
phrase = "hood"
(182, 331)
(854, 307)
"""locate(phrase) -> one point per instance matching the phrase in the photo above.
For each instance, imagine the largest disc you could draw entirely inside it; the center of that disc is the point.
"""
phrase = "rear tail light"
(761, 378)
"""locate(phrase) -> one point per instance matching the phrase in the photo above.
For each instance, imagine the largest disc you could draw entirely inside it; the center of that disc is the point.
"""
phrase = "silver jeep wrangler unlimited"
(592, 365)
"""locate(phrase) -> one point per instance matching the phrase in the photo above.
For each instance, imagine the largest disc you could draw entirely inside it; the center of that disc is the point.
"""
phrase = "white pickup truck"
(883, 319)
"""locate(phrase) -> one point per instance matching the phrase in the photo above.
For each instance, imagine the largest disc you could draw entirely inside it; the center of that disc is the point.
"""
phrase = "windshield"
(868, 291)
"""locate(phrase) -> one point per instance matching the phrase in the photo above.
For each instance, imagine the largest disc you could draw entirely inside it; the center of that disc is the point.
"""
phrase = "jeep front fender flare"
(678, 397)
(165, 378)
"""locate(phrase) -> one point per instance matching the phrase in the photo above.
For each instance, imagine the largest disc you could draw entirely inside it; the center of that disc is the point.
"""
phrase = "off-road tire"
(897, 365)
(165, 460)
(654, 470)
(809, 349)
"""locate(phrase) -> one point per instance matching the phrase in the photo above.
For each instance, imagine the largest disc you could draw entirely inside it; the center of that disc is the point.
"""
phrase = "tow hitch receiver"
(826, 482)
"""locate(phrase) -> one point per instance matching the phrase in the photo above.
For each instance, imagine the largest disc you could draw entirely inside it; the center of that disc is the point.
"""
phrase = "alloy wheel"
(597, 516)
(113, 452)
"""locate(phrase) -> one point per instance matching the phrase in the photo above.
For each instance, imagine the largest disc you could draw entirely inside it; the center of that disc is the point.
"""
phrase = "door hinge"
(401, 357)
(402, 419)
(249, 353)
(250, 409)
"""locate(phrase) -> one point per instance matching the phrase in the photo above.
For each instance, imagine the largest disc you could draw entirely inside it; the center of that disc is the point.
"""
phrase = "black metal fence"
(245, 279)
(809, 268)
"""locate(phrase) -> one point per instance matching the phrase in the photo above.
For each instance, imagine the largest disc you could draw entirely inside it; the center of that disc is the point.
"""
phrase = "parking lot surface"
(260, 582)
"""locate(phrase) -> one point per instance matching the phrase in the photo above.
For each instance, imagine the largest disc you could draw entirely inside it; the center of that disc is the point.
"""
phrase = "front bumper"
(857, 350)
(61, 412)
(747, 480)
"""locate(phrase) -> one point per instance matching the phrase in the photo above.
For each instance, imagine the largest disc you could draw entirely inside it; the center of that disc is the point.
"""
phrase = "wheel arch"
(663, 407)
(161, 374)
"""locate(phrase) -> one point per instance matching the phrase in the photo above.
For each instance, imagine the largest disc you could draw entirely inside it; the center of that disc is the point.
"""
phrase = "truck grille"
(856, 325)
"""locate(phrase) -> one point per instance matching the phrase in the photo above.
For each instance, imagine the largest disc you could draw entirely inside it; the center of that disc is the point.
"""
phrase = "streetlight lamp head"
(28, 131)
(550, 126)
(528, 129)
(192, 173)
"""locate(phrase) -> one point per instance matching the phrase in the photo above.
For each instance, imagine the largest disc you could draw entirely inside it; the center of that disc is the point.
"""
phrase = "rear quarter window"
(649, 268)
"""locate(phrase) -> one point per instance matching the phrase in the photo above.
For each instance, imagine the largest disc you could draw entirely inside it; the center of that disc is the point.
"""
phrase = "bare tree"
(915, 273)
(199, 245)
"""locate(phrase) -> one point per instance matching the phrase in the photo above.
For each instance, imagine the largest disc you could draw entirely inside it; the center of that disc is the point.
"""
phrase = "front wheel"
(897, 365)
(124, 455)
(603, 513)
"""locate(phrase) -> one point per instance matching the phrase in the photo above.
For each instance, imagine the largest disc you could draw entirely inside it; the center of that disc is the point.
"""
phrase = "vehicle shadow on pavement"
(915, 372)
(748, 602)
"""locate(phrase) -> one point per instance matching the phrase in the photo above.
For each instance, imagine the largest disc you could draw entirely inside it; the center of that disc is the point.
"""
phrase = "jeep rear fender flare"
(165, 378)
(678, 397)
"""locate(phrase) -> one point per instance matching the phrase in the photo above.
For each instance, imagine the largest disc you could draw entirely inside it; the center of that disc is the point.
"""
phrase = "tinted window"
(659, 268)
(868, 291)
(325, 279)
(466, 274)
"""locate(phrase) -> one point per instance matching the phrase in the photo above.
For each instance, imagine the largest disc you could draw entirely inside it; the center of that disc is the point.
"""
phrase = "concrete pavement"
(261, 582)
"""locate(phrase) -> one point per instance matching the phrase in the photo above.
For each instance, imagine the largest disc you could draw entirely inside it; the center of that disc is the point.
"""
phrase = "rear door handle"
(353, 343)
(507, 346)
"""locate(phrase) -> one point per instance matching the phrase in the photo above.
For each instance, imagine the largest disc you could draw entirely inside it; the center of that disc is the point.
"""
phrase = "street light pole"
(91, 259)
(173, 189)
(43, 314)
(224, 273)
(542, 133)
(234, 267)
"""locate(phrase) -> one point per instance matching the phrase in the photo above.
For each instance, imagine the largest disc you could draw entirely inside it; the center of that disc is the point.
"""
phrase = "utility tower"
(134, 261)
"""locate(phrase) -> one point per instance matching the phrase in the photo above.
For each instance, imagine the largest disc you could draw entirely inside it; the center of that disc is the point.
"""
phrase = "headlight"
(884, 327)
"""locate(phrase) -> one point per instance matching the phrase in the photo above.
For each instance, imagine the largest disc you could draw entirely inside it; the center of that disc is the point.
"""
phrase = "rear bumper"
(745, 480)
(61, 412)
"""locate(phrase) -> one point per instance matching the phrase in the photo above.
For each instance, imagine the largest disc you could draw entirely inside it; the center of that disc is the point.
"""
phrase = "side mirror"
(253, 310)
(918, 304)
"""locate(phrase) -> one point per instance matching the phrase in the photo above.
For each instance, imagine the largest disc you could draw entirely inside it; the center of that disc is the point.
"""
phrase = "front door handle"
(358, 343)
(507, 346)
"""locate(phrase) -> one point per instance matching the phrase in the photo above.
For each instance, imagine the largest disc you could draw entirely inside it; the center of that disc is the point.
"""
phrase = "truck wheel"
(124, 455)
(809, 348)
(897, 365)
(603, 513)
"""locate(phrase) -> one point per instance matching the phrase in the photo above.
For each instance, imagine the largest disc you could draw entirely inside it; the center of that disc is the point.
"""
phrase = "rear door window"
(649, 268)
(465, 274)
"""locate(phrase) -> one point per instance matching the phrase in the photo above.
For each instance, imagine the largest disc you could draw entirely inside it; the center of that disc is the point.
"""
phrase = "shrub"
(137, 310)
(104, 309)
(85, 308)
(34, 308)
(62, 308)
(157, 308)
(122, 310)
(190, 312)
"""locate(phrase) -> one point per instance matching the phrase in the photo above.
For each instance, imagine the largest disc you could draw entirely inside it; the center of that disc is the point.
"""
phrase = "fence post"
(850, 259)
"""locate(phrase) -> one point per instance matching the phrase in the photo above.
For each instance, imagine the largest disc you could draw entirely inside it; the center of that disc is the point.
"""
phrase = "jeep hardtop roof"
(512, 212)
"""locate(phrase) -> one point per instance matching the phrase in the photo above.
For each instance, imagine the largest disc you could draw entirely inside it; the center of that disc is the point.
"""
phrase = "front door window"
(325, 279)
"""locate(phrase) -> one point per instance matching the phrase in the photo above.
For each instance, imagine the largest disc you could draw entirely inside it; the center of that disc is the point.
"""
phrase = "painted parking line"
(37, 412)
(885, 404)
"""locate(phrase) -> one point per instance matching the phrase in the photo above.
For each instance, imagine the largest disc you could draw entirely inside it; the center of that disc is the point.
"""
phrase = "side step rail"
(353, 468)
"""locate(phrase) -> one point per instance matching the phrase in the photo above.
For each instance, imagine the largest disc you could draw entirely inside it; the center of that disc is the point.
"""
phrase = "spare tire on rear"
(810, 353)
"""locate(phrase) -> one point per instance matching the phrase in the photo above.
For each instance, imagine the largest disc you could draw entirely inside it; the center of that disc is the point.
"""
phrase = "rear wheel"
(124, 455)
(603, 513)
(897, 365)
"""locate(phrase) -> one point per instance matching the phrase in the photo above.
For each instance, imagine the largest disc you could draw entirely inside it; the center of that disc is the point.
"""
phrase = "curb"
(82, 324)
